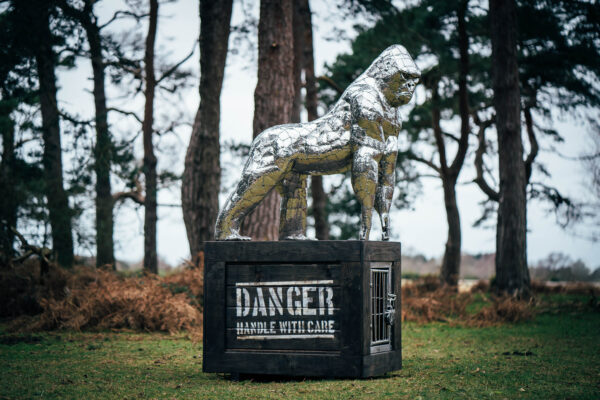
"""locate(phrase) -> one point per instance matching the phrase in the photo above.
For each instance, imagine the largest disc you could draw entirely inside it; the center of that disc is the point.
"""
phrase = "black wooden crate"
(308, 308)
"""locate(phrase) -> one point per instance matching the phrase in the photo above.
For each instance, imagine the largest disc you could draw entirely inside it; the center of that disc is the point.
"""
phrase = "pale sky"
(421, 230)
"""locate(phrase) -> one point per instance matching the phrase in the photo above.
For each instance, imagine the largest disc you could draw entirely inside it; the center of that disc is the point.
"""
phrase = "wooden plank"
(281, 272)
(382, 251)
(284, 251)
(366, 309)
(214, 307)
(351, 305)
(381, 363)
(293, 364)
(291, 344)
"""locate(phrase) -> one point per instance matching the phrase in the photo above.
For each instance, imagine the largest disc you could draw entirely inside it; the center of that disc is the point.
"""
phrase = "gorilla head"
(396, 73)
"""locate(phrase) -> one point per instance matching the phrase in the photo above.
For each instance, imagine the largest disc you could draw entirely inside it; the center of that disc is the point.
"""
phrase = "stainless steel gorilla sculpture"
(359, 133)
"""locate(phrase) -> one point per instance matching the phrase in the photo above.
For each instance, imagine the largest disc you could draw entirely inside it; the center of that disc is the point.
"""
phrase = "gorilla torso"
(326, 145)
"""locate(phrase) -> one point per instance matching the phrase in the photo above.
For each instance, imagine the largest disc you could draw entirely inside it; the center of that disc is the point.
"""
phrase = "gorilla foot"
(233, 236)
(298, 236)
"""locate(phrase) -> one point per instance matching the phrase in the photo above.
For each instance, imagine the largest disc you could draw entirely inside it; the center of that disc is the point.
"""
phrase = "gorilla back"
(359, 133)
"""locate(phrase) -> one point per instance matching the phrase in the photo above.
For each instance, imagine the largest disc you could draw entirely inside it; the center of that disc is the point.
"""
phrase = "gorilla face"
(399, 88)
(396, 73)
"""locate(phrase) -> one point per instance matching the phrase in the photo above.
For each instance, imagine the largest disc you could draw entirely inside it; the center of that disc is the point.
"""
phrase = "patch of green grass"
(553, 356)
(410, 275)
(479, 301)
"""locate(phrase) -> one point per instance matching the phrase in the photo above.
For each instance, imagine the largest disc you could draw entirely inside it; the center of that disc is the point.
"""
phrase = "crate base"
(327, 284)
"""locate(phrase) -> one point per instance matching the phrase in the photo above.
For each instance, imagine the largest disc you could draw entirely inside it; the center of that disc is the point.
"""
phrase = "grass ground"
(556, 355)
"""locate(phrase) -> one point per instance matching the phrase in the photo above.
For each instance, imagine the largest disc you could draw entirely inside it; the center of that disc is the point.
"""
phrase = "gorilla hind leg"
(292, 225)
(250, 190)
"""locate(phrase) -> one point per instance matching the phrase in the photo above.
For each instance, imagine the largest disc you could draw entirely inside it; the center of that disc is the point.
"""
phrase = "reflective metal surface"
(358, 133)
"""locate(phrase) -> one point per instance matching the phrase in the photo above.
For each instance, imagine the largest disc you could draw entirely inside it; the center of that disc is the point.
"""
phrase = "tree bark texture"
(103, 149)
(318, 193)
(450, 270)
(298, 34)
(512, 274)
(202, 173)
(273, 99)
(150, 217)
(304, 62)
(58, 203)
(8, 204)
(533, 144)
(451, 260)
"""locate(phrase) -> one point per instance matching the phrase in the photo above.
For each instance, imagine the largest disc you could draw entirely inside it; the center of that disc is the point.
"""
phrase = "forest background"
(420, 227)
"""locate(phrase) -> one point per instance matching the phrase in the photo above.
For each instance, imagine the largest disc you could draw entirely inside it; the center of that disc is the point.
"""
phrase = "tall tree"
(512, 274)
(319, 205)
(150, 258)
(273, 99)
(437, 30)
(103, 150)
(558, 70)
(23, 172)
(202, 173)
(449, 173)
(10, 59)
(304, 63)
(8, 206)
(38, 14)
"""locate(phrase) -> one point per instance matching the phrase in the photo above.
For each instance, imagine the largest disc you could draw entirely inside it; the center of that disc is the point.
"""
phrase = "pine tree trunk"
(8, 204)
(450, 270)
(512, 274)
(451, 262)
(304, 61)
(202, 174)
(58, 203)
(103, 149)
(273, 99)
(319, 197)
(150, 258)
(298, 34)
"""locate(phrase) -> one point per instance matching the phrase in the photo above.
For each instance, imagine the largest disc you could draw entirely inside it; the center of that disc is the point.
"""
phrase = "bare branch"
(429, 163)
(419, 176)
(480, 179)
(135, 195)
(451, 136)
(120, 14)
(127, 65)
(43, 252)
(174, 68)
(437, 132)
(125, 112)
(169, 205)
(331, 83)
(532, 141)
(74, 120)
(24, 141)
